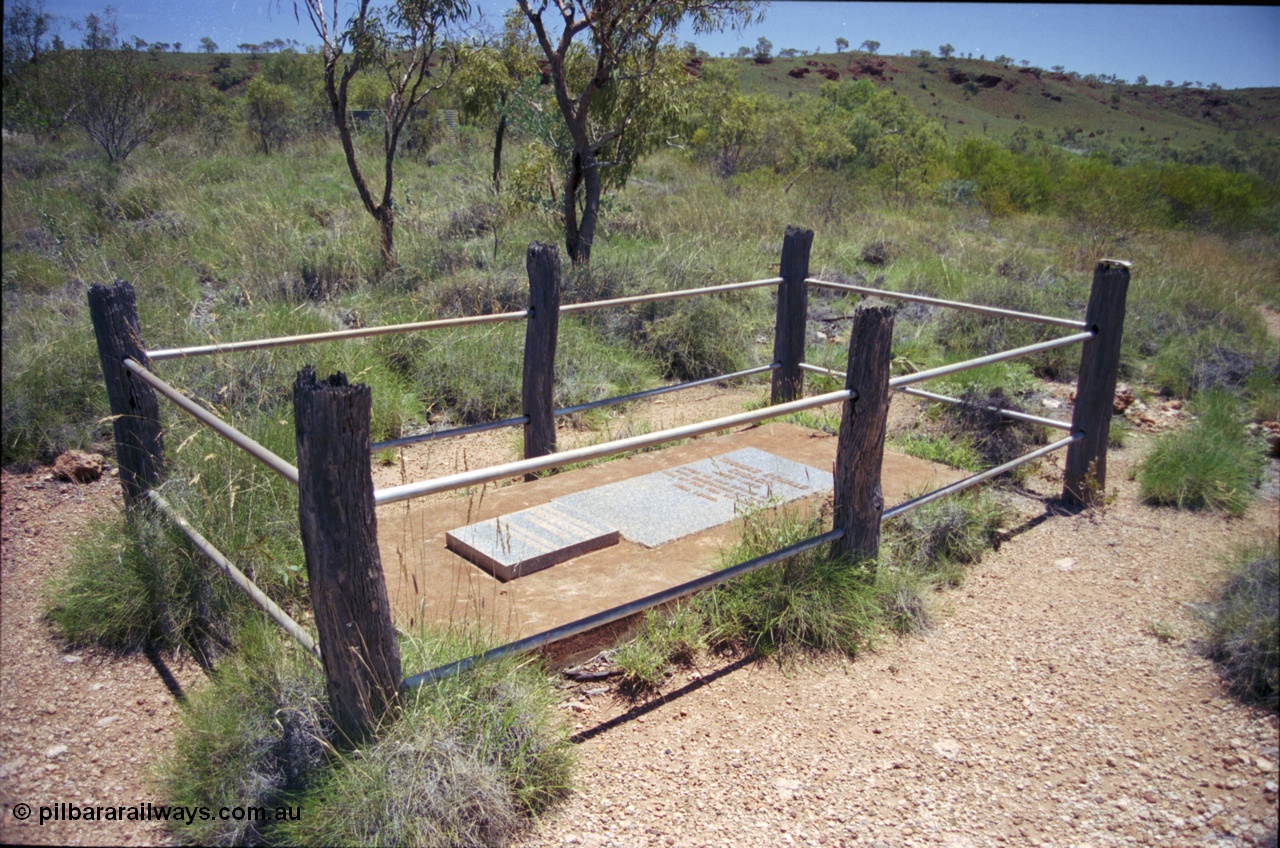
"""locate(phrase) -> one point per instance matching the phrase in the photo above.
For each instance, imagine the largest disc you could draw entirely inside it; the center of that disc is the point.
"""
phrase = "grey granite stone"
(530, 540)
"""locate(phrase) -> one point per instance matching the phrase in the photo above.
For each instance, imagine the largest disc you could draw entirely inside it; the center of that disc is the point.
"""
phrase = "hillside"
(975, 97)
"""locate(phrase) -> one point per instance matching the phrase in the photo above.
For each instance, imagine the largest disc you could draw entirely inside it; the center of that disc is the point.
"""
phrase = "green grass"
(1244, 624)
(467, 761)
(815, 602)
(956, 452)
(666, 637)
(1210, 464)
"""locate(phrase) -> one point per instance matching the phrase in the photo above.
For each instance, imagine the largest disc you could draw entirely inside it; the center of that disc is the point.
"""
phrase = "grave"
(650, 510)
(429, 582)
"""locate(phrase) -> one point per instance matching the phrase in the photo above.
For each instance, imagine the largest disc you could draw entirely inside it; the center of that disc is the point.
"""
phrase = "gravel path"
(1045, 708)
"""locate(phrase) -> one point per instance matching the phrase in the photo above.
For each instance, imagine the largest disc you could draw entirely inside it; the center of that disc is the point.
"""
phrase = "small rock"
(103, 722)
(12, 767)
(71, 658)
(78, 467)
(48, 709)
(1264, 765)
(55, 752)
(1066, 564)
(946, 748)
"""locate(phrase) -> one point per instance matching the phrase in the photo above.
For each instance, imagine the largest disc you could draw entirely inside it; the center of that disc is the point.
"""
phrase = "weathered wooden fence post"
(793, 311)
(542, 262)
(1085, 476)
(859, 499)
(340, 538)
(135, 410)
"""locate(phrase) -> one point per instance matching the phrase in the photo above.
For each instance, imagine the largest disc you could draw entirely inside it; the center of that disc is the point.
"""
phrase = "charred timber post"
(793, 308)
(135, 409)
(859, 499)
(1085, 476)
(542, 262)
(340, 539)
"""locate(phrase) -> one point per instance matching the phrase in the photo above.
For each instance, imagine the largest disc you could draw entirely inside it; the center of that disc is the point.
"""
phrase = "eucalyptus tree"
(405, 43)
(498, 78)
(617, 88)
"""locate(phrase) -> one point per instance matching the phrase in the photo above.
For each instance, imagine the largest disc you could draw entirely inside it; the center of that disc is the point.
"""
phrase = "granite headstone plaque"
(665, 505)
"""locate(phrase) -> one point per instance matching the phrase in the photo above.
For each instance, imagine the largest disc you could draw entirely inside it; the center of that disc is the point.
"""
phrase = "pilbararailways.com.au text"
(163, 812)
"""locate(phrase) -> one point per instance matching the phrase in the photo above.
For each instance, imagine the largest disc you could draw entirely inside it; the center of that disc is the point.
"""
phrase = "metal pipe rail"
(222, 428)
(450, 433)
(1007, 413)
(408, 491)
(622, 611)
(662, 390)
(950, 304)
(567, 410)
(390, 329)
(961, 485)
(333, 336)
(669, 295)
(1012, 353)
(237, 576)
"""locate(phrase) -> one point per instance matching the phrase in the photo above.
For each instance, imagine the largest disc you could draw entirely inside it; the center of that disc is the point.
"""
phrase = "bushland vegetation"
(230, 208)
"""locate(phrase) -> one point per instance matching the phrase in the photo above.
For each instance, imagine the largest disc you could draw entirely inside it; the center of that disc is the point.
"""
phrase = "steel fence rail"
(1013, 353)
(450, 433)
(669, 295)
(222, 428)
(662, 390)
(950, 304)
(237, 576)
(920, 393)
(417, 326)
(408, 491)
(333, 336)
(615, 613)
(566, 410)
(1007, 413)
(961, 485)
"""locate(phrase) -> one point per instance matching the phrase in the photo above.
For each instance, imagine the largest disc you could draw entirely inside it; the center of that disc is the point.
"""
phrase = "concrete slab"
(427, 581)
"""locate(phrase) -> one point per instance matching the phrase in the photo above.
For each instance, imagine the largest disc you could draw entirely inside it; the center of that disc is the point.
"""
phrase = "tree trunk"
(573, 181)
(590, 209)
(497, 147)
(386, 218)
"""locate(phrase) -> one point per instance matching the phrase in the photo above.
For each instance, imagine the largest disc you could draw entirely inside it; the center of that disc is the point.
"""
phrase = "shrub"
(256, 735)
(927, 549)
(467, 759)
(1244, 626)
(813, 601)
(1210, 464)
(693, 339)
(666, 638)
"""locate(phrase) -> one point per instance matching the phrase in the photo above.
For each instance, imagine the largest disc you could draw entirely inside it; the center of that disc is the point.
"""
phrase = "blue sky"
(1235, 46)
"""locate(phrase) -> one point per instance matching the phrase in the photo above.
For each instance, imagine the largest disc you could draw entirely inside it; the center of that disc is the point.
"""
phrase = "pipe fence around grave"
(334, 471)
